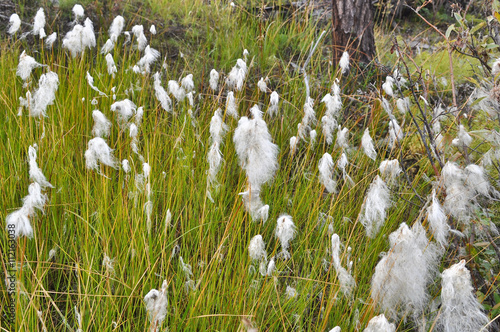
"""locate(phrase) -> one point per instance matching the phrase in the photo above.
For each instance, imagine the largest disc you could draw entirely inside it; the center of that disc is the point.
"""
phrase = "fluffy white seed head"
(45, 94)
(374, 209)
(231, 107)
(187, 83)
(475, 179)
(99, 151)
(152, 29)
(262, 85)
(342, 138)
(20, 223)
(256, 152)
(285, 231)
(78, 11)
(273, 104)
(50, 40)
(116, 28)
(460, 310)
(161, 94)
(237, 75)
(125, 166)
(14, 24)
(403, 105)
(399, 284)
(35, 172)
(438, 221)
(144, 64)
(80, 38)
(176, 90)
(344, 63)
(328, 125)
(390, 170)
(39, 23)
(387, 86)
(325, 168)
(214, 79)
(110, 62)
(367, 144)
(463, 137)
(107, 47)
(26, 65)
(395, 132)
(290, 292)
(124, 109)
(156, 302)
(257, 248)
(380, 324)
(102, 125)
(34, 200)
(138, 31)
(346, 281)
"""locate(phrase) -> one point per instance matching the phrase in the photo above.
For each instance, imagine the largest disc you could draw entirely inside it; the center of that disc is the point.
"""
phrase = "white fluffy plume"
(99, 151)
(346, 280)
(125, 109)
(26, 65)
(273, 104)
(90, 80)
(80, 38)
(161, 94)
(110, 62)
(399, 284)
(237, 75)
(367, 144)
(116, 28)
(214, 79)
(156, 302)
(44, 95)
(325, 167)
(102, 125)
(35, 172)
(380, 324)
(14, 24)
(389, 170)
(460, 311)
(144, 64)
(138, 31)
(374, 209)
(217, 131)
(39, 23)
(344, 63)
(438, 221)
(285, 232)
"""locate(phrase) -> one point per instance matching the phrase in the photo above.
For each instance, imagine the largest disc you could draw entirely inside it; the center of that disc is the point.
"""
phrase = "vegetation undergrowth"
(109, 235)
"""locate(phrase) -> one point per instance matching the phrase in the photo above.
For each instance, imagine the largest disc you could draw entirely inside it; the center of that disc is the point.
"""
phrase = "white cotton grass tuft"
(98, 151)
(438, 221)
(80, 38)
(14, 24)
(325, 167)
(342, 165)
(35, 173)
(26, 65)
(335, 329)
(387, 86)
(39, 22)
(293, 144)
(380, 324)
(475, 179)
(218, 130)
(367, 144)
(395, 133)
(403, 105)
(109, 264)
(460, 310)
(107, 47)
(459, 197)
(347, 282)
(156, 302)
(328, 125)
(138, 31)
(290, 292)
(187, 83)
(110, 62)
(78, 11)
(387, 107)
(125, 109)
(50, 40)
(308, 119)
(285, 232)
(374, 209)
(161, 94)
(273, 104)
(144, 64)
(152, 29)
(463, 138)
(125, 166)
(43, 96)
(257, 153)
(176, 90)
(102, 125)
(399, 284)
(342, 138)
(214, 79)
(90, 80)
(390, 170)
(257, 248)
(236, 76)
(344, 63)
(261, 84)
(116, 28)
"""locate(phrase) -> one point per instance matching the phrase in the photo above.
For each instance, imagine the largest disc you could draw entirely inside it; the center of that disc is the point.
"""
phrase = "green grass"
(90, 215)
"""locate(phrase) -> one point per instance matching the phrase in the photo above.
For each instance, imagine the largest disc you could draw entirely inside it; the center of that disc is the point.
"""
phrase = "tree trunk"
(353, 29)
